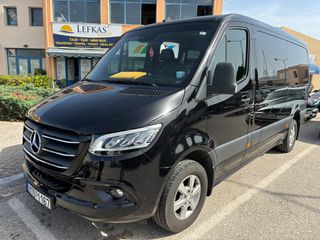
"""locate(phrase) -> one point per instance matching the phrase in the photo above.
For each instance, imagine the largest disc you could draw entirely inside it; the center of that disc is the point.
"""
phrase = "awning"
(314, 69)
(77, 52)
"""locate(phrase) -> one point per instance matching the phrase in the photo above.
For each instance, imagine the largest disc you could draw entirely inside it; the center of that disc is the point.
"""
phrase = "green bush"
(40, 71)
(16, 100)
(61, 83)
(23, 80)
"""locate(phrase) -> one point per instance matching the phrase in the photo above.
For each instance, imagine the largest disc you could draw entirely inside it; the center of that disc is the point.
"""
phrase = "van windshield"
(166, 55)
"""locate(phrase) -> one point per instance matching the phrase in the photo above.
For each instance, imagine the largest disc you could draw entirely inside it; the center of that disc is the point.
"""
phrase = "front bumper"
(90, 197)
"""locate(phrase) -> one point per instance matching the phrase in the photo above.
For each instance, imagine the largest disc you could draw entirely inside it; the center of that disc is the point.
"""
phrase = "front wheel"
(183, 197)
(289, 141)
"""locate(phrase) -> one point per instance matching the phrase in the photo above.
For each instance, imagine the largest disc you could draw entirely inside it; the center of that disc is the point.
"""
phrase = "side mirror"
(223, 80)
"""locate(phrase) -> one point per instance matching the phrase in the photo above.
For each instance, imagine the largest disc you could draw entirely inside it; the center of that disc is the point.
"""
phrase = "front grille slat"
(39, 160)
(28, 128)
(26, 138)
(58, 147)
(61, 135)
(70, 149)
(58, 153)
(59, 140)
(47, 157)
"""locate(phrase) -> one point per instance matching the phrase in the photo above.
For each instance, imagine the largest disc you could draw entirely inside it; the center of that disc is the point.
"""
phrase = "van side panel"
(298, 81)
(271, 87)
(280, 89)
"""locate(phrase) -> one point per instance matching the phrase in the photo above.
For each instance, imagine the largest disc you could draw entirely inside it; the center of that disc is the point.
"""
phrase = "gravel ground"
(11, 156)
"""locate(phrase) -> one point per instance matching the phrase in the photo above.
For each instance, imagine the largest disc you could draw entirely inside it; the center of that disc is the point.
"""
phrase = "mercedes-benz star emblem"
(35, 142)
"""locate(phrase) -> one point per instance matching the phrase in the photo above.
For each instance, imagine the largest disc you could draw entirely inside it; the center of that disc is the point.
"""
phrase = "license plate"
(44, 200)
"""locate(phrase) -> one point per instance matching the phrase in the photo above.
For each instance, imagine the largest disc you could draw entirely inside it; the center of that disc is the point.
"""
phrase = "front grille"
(58, 147)
(51, 182)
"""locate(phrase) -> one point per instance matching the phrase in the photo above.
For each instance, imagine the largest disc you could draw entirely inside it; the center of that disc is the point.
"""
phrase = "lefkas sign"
(85, 35)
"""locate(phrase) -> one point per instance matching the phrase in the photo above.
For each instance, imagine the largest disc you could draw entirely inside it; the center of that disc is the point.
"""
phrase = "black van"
(170, 111)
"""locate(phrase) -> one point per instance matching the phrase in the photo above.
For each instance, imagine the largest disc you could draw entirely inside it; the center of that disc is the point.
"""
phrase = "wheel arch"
(192, 144)
(204, 159)
(297, 118)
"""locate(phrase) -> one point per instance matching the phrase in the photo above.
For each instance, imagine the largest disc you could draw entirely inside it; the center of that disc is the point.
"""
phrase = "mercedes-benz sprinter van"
(170, 111)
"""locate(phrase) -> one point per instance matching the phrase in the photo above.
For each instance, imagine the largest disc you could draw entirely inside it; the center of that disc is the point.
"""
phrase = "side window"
(272, 61)
(114, 66)
(193, 54)
(233, 49)
(298, 65)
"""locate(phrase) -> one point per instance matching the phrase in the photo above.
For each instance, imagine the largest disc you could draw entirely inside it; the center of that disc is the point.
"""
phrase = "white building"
(22, 37)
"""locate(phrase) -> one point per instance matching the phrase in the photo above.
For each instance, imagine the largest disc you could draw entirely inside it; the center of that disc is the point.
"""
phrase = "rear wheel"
(289, 141)
(183, 197)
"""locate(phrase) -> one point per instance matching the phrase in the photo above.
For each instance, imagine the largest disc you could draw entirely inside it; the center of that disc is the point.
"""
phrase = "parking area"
(276, 196)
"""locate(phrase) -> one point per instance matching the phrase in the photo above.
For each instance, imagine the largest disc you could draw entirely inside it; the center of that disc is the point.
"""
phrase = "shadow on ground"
(63, 224)
(11, 160)
(310, 132)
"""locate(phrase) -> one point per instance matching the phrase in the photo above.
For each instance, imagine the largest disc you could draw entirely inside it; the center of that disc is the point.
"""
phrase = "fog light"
(116, 193)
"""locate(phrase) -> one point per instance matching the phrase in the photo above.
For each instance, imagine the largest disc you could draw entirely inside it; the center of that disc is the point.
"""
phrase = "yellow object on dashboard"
(129, 75)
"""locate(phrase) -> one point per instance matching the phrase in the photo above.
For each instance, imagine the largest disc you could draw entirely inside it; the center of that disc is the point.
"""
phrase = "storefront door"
(74, 69)
(86, 64)
(85, 67)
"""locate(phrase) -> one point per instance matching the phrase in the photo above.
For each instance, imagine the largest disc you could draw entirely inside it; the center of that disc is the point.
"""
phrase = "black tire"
(165, 215)
(287, 146)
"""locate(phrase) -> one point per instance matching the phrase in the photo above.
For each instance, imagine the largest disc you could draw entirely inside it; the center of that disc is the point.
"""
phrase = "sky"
(300, 15)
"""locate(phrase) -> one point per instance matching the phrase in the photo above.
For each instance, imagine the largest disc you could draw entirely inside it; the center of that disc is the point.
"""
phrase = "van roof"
(230, 18)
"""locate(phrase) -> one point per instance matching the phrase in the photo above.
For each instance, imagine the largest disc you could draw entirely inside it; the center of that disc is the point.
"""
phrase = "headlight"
(126, 140)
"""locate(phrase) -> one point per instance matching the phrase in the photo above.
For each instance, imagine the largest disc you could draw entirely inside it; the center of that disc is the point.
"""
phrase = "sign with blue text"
(85, 35)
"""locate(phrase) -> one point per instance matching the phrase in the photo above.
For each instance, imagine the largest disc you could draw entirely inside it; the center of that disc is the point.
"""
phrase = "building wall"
(313, 48)
(23, 34)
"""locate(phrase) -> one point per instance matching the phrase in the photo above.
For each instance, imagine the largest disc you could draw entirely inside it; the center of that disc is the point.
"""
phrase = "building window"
(25, 61)
(179, 9)
(12, 18)
(36, 17)
(133, 11)
(76, 11)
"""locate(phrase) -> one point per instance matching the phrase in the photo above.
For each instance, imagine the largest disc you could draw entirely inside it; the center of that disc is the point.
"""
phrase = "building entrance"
(72, 69)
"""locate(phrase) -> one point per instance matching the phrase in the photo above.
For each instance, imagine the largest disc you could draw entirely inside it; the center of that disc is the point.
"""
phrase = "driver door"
(229, 114)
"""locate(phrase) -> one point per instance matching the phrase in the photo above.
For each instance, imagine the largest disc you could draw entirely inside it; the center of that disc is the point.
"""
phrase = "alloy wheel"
(187, 197)
(292, 135)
